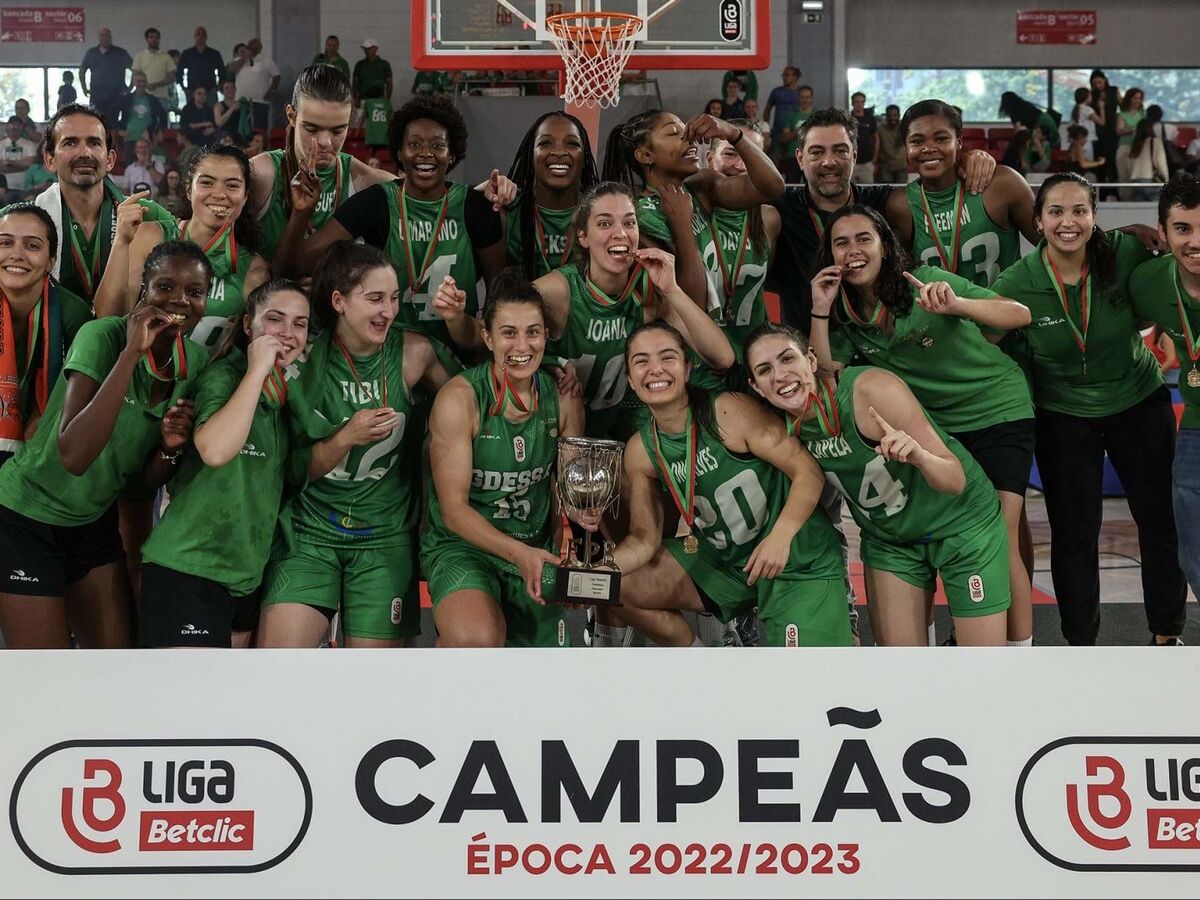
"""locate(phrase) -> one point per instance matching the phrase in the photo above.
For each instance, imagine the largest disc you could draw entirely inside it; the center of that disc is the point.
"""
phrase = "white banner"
(948, 773)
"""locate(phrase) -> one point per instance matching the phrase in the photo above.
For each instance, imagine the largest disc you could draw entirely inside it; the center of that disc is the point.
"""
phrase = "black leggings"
(1140, 441)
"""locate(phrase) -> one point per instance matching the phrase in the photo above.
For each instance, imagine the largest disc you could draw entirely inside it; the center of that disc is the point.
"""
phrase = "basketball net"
(595, 48)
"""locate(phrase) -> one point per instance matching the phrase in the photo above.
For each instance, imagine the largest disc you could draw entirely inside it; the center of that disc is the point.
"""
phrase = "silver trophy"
(589, 482)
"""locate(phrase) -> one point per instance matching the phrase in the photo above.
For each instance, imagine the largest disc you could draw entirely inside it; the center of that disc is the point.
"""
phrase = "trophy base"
(593, 586)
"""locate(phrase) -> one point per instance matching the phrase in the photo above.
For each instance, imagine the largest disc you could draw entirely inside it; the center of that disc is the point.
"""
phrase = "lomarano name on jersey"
(487, 480)
(421, 231)
(829, 448)
(607, 329)
(705, 463)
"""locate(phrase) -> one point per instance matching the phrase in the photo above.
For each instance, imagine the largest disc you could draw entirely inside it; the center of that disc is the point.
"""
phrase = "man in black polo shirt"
(827, 154)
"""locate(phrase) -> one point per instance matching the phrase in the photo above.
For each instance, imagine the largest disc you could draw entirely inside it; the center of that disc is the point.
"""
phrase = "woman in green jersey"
(493, 524)
(746, 497)
(594, 303)
(39, 319)
(1166, 291)
(923, 505)
(1097, 389)
(925, 325)
(552, 170)
(221, 223)
(204, 561)
(349, 539)
(658, 152)
(311, 165)
(116, 412)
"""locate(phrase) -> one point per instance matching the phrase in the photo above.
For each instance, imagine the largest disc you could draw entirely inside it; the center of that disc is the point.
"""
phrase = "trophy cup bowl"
(589, 482)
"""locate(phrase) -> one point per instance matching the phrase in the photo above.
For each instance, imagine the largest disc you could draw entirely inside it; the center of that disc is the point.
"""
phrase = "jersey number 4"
(877, 488)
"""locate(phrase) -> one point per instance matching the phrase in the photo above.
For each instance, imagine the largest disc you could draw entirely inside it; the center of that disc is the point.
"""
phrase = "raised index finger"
(913, 280)
(134, 198)
(879, 420)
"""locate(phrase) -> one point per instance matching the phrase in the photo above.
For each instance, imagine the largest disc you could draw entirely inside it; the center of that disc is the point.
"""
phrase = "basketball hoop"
(594, 47)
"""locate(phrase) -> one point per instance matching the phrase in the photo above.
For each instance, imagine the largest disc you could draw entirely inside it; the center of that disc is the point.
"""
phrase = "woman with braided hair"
(552, 169)
(318, 119)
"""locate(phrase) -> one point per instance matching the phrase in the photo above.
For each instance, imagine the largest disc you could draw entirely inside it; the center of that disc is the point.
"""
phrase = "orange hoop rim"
(575, 27)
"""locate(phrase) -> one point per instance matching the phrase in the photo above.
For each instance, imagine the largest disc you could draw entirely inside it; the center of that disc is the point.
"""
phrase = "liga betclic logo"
(160, 806)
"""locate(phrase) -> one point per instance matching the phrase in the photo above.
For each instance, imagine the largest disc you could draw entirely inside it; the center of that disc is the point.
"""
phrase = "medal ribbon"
(504, 392)
(1085, 301)
(604, 300)
(817, 225)
(728, 277)
(542, 245)
(275, 389)
(178, 359)
(89, 278)
(960, 197)
(1184, 325)
(224, 240)
(409, 260)
(686, 506)
(354, 370)
(876, 317)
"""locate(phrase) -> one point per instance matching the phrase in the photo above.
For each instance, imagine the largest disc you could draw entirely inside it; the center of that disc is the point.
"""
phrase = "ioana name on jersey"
(607, 329)
(705, 463)
(487, 480)
(422, 231)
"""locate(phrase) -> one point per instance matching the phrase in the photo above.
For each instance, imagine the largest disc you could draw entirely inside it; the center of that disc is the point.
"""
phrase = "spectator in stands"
(431, 84)
(170, 193)
(66, 91)
(1041, 124)
(5, 199)
(256, 77)
(750, 106)
(255, 145)
(105, 64)
(29, 129)
(747, 83)
(782, 100)
(1087, 117)
(370, 71)
(17, 154)
(227, 113)
(174, 101)
(891, 157)
(1106, 102)
(731, 103)
(789, 136)
(1079, 152)
(142, 115)
(1168, 134)
(377, 119)
(713, 108)
(37, 176)
(1016, 154)
(331, 57)
(1191, 156)
(1128, 117)
(868, 138)
(196, 121)
(200, 66)
(158, 66)
(1147, 162)
(144, 173)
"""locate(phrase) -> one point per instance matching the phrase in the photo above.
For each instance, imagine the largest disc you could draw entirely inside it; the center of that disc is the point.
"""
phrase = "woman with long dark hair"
(1097, 390)
(925, 325)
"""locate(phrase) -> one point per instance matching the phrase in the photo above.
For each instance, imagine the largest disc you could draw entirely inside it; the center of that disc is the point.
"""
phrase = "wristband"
(172, 458)
(738, 139)
(817, 316)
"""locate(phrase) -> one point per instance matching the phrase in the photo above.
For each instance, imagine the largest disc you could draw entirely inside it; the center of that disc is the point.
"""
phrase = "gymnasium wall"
(228, 22)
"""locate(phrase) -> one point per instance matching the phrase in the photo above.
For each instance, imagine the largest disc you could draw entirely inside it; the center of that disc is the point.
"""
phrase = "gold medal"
(1193, 378)
(927, 342)
(691, 545)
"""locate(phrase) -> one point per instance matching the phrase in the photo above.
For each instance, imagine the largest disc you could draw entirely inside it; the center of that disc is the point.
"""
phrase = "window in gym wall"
(25, 82)
(975, 91)
(1175, 90)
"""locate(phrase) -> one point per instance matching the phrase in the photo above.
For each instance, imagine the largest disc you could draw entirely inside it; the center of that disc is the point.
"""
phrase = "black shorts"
(40, 560)
(1004, 452)
(181, 610)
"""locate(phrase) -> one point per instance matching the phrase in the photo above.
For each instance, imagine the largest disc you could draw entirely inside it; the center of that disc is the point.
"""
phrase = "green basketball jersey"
(226, 294)
(594, 341)
(984, 248)
(652, 222)
(220, 521)
(377, 118)
(336, 186)
(512, 466)
(551, 231)
(1158, 296)
(422, 257)
(35, 482)
(739, 273)
(367, 499)
(891, 500)
(737, 501)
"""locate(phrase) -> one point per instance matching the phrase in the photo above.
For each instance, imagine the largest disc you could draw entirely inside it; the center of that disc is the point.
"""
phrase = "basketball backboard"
(510, 34)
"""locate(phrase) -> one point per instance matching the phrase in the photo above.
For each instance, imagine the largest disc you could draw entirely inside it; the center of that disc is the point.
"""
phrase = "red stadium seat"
(276, 138)
(1184, 136)
(970, 134)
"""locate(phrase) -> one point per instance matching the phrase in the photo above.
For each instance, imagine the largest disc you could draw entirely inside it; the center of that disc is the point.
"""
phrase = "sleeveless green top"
(983, 249)
(336, 186)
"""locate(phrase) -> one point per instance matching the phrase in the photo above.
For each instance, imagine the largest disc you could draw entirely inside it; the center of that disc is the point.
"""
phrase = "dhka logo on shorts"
(251, 450)
(975, 587)
(19, 575)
